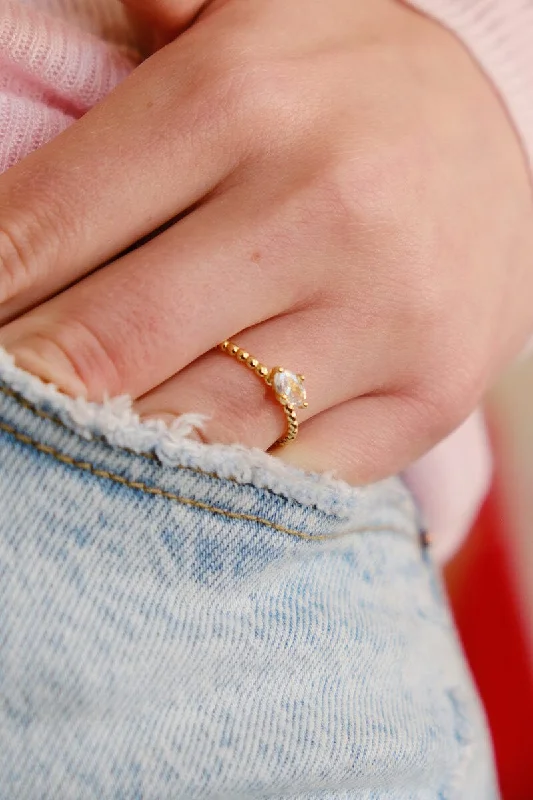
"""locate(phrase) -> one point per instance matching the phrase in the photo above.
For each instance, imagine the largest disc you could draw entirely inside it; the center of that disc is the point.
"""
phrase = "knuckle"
(91, 359)
(38, 228)
(17, 261)
(237, 86)
(446, 401)
(378, 183)
(211, 105)
(335, 195)
(340, 202)
(356, 188)
(249, 96)
(375, 201)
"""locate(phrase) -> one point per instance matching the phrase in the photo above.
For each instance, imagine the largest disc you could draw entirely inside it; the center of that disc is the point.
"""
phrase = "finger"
(150, 150)
(241, 408)
(239, 259)
(170, 15)
(363, 440)
(132, 325)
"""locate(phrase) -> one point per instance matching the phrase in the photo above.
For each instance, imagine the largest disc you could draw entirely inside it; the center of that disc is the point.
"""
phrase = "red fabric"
(490, 622)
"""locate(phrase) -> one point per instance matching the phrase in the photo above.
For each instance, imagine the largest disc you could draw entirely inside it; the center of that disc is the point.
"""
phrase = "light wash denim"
(195, 622)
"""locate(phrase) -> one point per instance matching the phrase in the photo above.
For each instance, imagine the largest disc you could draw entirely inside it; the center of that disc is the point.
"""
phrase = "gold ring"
(288, 387)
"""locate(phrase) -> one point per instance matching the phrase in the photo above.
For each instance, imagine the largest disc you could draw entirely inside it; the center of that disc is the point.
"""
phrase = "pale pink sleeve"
(499, 34)
(452, 480)
(58, 58)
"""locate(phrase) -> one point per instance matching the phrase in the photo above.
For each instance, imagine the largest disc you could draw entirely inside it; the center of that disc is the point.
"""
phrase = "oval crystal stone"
(290, 387)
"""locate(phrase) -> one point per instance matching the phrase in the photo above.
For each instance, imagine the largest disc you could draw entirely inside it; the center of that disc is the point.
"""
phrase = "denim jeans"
(184, 621)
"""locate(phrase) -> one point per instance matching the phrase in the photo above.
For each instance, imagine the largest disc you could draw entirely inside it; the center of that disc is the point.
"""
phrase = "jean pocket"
(193, 622)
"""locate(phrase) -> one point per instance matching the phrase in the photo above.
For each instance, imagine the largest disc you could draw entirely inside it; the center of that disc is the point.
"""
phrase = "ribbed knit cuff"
(499, 34)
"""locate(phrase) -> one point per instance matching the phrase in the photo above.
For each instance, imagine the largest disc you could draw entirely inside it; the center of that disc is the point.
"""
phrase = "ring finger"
(240, 407)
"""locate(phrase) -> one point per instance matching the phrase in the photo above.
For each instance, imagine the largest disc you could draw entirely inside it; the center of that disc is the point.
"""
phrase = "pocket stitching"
(10, 393)
(155, 491)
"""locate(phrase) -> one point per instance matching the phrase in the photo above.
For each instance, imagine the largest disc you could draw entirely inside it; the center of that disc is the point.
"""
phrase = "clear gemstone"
(291, 387)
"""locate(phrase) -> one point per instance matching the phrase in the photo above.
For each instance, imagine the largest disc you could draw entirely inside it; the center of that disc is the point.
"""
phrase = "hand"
(348, 199)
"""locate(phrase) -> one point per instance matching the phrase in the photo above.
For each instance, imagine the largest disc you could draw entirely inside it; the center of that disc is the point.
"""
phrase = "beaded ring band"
(287, 386)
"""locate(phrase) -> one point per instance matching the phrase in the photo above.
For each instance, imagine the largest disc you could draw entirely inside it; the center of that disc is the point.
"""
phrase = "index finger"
(149, 151)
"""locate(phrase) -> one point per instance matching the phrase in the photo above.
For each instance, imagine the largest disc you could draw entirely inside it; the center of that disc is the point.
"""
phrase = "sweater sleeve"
(499, 34)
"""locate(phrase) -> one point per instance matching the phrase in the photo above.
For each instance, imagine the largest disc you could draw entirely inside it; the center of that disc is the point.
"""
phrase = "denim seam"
(151, 456)
(155, 491)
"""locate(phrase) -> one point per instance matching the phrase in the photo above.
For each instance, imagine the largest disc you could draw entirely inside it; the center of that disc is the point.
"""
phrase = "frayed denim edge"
(116, 422)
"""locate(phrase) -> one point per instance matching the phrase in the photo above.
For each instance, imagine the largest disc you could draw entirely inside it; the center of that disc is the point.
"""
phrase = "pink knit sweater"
(60, 57)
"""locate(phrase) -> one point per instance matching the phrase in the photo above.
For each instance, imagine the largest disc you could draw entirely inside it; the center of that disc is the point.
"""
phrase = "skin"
(349, 200)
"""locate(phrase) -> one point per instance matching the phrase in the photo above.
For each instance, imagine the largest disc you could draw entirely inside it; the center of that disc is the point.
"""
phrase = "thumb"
(159, 21)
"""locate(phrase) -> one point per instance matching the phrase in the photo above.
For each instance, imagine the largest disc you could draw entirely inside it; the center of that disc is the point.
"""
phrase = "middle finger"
(135, 323)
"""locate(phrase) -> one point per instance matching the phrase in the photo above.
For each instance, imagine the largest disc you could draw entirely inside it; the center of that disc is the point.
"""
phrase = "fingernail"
(46, 361)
